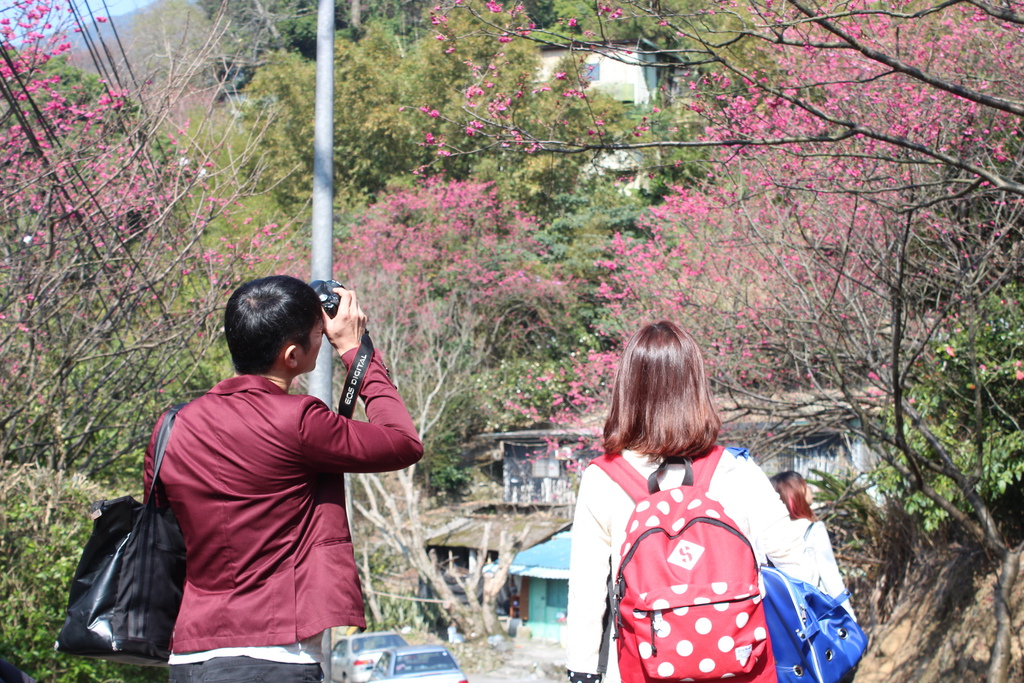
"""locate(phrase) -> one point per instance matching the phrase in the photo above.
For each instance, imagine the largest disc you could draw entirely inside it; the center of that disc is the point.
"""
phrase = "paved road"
(502, 677)
(528, 662)
(523, 678)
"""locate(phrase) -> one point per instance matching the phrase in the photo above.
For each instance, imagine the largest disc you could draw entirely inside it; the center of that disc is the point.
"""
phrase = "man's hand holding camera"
(346, 328)
(344, 320)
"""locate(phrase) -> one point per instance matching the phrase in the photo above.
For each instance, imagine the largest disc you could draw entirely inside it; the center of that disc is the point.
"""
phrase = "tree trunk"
(999, 662)
(394, 510)
(396, 516)
(355, 11)
(371, 596)
(267, 20)
(507, 549)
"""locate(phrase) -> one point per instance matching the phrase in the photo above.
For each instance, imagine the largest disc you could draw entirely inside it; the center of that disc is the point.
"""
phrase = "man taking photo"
(255, 477)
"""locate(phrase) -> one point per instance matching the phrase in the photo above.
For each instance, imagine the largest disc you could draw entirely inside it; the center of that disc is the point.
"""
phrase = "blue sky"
(118, 7)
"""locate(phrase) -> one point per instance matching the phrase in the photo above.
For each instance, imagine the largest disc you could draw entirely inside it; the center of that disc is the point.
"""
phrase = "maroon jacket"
(255, 478)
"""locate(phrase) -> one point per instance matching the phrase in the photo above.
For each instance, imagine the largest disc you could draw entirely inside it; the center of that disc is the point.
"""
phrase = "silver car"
(353, 657)
(417, 664)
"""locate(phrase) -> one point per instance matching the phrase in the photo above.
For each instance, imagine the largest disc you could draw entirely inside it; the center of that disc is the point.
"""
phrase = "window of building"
(546, 467)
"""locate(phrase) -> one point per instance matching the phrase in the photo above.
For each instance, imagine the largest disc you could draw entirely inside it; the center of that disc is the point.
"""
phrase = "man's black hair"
(264, 315)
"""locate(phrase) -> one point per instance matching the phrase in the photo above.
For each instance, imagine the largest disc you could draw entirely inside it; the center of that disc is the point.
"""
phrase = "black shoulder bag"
(127, 588)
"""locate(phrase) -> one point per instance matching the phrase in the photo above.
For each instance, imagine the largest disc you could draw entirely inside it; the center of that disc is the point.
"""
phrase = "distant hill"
(121, 23)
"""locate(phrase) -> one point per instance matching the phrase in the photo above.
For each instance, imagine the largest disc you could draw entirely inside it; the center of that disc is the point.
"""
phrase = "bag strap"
(810, 551)
(698, 472)
(609, 628)
(705, 466)
(623, 474)
(162, 437)
(635, 486)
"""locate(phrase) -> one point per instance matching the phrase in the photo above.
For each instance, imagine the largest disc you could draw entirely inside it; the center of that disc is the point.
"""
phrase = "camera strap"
(354, 379)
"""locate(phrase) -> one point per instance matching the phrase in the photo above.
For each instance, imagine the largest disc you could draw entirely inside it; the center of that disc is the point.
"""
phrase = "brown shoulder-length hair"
(792, 489)
(661, 400)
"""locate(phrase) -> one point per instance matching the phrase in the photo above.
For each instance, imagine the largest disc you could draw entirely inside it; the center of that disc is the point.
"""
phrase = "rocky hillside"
(942, 623)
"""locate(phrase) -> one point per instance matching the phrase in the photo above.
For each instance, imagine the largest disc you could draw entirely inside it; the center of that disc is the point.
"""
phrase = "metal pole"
(323, 179)
(322, 242)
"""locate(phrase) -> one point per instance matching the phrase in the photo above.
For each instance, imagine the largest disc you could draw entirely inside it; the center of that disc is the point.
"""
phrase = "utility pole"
(322, 242)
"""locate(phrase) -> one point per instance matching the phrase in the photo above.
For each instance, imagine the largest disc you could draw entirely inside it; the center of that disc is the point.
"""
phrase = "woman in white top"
(661, 407)
(797, 496)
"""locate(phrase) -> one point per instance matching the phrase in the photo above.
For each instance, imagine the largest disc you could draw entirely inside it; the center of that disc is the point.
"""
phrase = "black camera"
(328, 299)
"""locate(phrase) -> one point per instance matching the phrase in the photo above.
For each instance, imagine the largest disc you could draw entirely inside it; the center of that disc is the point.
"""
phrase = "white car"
(417, 664)
(353, 657)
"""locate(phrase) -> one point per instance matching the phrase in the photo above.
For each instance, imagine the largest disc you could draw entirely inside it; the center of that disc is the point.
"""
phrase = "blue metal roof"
(548, 560)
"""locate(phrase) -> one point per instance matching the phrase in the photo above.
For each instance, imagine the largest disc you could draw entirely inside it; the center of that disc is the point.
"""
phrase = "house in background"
(458, 545)
(541, 575)
(801, 449)
(627, 70)
(830, 452)
(534, 466)
(540, 467)
(630, 71)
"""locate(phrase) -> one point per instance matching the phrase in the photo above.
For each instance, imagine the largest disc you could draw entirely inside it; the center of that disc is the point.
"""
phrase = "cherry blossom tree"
(111, 275)
(826, 309)
(861, 210)
(828, 60)
(452, 281)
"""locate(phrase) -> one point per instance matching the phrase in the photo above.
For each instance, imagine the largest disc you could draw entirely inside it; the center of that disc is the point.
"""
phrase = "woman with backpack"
(797, 496)
(661, 432)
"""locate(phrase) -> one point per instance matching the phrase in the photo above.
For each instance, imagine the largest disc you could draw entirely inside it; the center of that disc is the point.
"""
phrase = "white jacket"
(599, 528)
(819, 550)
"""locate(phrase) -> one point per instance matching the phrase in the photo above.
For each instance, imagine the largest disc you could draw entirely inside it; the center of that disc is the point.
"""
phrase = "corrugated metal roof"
(540, 572)
(548, 560)
(469, 533)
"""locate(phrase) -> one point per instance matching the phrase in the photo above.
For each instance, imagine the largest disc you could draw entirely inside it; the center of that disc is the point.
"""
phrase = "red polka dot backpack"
(686, 599)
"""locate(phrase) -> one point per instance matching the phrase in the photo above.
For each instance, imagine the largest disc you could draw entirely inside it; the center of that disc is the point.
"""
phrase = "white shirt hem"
(308, 651)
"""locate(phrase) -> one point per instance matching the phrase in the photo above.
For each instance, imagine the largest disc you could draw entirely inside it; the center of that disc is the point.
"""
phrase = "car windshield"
(424, 662)
(381, 642)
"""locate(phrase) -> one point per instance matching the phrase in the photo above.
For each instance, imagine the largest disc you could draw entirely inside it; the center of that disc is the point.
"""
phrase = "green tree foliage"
(44, 525)
(282, 94)
(974, 393)
(264, 26)
(386, 97)
(81, 87)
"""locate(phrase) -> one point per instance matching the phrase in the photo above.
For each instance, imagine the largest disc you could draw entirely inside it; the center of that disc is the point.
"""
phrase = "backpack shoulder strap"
(623, 474)
(635, 486)
(704, 467)
(810, 526)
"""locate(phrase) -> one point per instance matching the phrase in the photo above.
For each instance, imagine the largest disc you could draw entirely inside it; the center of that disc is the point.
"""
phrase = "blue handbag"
(813, 637)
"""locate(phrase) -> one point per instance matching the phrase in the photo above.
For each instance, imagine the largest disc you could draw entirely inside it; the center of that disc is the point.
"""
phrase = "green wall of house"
(549, 601)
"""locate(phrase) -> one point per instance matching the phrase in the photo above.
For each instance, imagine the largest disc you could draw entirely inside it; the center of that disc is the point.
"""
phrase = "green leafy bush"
(44, 524)
(973, 391)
